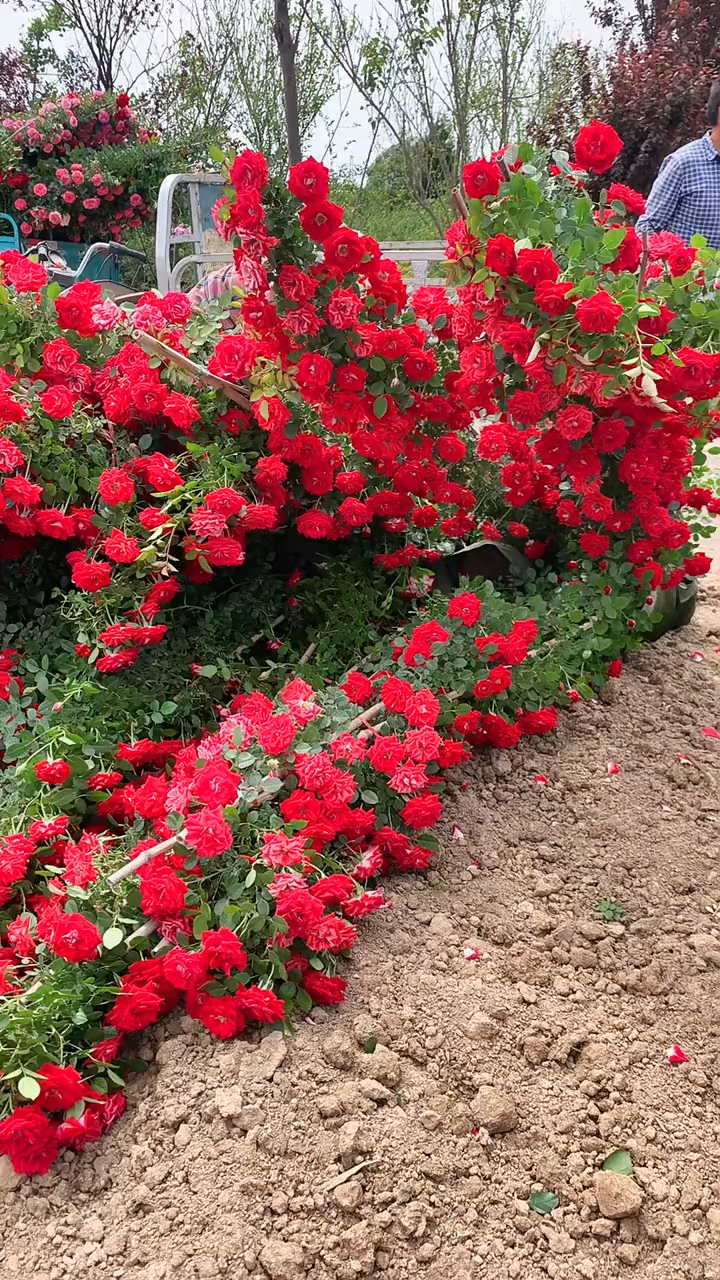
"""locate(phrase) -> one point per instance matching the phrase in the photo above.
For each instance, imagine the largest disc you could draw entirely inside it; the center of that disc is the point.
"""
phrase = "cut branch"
(154, 347)
(146, 856)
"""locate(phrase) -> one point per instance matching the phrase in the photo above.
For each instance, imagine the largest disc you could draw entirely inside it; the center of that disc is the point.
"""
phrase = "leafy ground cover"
(231, 696)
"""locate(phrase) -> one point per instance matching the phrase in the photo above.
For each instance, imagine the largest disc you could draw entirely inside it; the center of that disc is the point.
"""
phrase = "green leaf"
(370, 1044)
(27, 1087)
(303, 1001)
(619, 1162)
(543, 1201)
(112, 938)
(380, 405)
(614, 237)
(217, 154)
(439, 322)
(53, 291)
(208, 671)
(369, 797)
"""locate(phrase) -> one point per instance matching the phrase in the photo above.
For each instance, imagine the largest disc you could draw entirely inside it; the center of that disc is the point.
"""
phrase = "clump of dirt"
(501, 1036)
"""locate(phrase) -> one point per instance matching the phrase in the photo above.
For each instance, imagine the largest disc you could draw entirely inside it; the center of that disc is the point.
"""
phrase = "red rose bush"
(228, 869)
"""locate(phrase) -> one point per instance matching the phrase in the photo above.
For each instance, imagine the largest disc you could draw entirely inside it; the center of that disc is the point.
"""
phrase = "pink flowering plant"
(559, 406)
(81, 169)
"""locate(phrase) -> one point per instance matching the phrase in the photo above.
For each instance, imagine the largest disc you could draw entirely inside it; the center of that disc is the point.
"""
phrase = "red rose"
(313, 373)
(574, 421)
(419, 365)
(135, 1008)
(315, 524)
(208, 832)
(30, 1140)
(481, 178)
(597, 146)
(60, 1087)
(276, 734)
(633, 200)
(52, 771)
(320, 219)
(58, 402)
(357, 688)
(216, 784)
(222, 949)
(323, 989)
(234, 357)
(538, 722)
(116, 486)
(598, 314)
(70, 935)
(536, 265)
(249, 171)
(74, 308)
(344, 249)
(175, 307)
(59, 357)
(500, 254)
(259, 1003)
(182, 410)
(120, 548)
(594, 544)
(309, 180)
(162, 891)
(698, 564)
(422, 811)
(26, 276)
(551, 296)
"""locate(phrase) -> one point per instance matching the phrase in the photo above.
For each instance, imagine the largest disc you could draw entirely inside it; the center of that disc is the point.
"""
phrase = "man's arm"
(663, 199)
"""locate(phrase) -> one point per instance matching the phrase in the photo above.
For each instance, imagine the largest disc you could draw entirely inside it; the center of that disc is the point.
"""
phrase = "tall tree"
(105, 31)
(287, 51)
(222, 80)
(420, 67)
(652, 86)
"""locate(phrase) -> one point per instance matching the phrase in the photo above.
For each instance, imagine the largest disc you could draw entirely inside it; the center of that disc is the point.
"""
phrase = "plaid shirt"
(214, 285)
(685, 197)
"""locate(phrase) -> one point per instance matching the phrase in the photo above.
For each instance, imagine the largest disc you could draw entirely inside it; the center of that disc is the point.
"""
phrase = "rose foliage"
(571, 368)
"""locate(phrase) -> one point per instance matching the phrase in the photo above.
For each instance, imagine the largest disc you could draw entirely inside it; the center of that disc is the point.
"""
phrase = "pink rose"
(39, 189)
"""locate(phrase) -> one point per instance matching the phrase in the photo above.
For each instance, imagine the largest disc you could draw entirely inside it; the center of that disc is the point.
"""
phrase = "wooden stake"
(154, 347)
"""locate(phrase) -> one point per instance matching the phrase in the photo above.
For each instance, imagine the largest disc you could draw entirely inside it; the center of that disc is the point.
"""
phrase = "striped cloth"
(214, 285)
(685, 197)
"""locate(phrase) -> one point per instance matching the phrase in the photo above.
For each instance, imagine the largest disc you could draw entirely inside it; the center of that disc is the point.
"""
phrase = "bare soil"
(493, 1077)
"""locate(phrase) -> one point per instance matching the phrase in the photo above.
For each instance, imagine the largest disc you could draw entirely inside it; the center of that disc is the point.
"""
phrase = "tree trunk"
(286, 50)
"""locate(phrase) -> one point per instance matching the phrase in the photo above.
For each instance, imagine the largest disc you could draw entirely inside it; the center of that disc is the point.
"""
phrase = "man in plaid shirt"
(685, 197)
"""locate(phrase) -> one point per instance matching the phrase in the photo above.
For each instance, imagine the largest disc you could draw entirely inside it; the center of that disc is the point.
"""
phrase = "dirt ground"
(516, 1069)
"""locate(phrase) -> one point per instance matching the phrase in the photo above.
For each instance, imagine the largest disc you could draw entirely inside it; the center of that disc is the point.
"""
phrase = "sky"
(345, 143)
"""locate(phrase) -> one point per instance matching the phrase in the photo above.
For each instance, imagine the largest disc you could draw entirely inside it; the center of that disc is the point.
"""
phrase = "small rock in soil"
(618, 1196)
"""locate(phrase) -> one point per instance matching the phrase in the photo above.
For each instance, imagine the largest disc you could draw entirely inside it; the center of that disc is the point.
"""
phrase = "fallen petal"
(709, 731)
(697, 656)
(683, 760)
(472, 953)
(540, 777)
(676, 1055)
(458, 834)
(613, 767)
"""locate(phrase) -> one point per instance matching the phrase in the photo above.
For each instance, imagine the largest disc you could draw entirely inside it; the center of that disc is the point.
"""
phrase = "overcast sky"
(351, 137)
